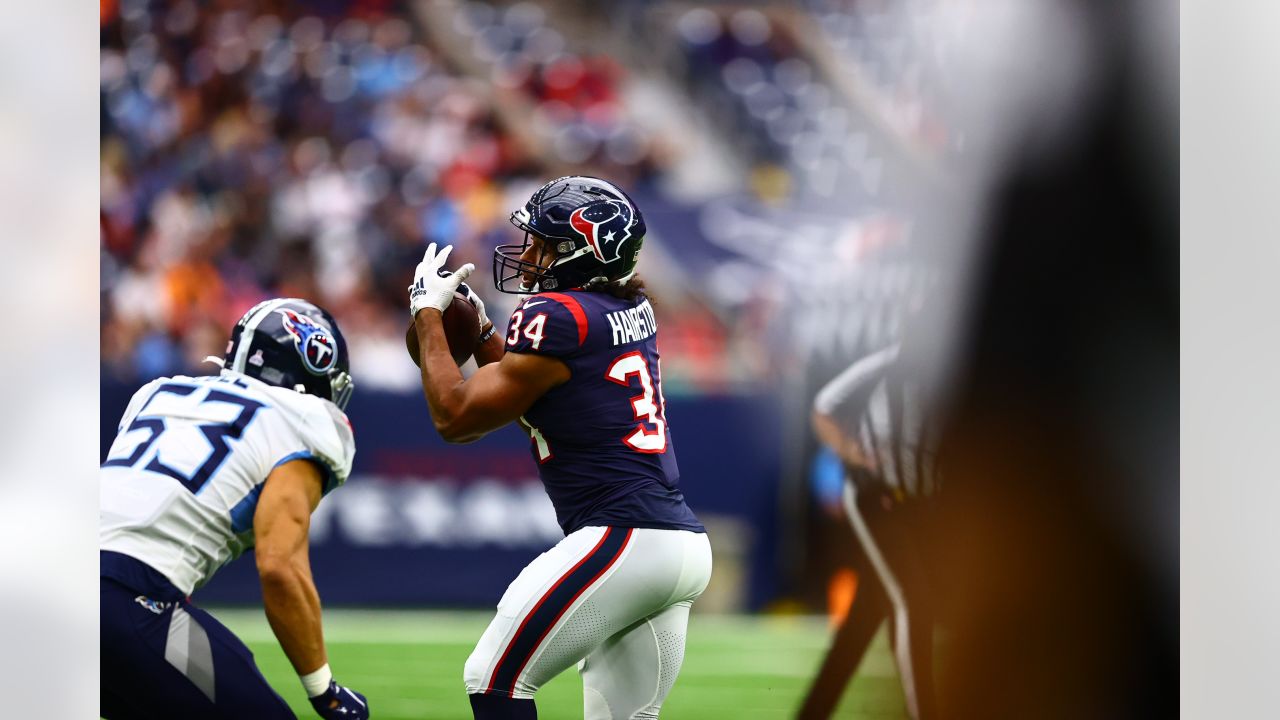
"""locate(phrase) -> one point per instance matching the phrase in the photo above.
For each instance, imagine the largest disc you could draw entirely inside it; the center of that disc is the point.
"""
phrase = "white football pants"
(615, 601)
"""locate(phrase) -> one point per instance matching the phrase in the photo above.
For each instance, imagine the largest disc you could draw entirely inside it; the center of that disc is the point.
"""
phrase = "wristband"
(488, 334)
(317, 682)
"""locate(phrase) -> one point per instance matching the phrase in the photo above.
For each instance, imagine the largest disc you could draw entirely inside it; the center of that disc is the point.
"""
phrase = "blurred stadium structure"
(813, 175)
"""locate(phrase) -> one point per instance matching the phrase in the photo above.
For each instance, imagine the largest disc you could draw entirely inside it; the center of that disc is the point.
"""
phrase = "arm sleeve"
(846, 394)
(547, 326)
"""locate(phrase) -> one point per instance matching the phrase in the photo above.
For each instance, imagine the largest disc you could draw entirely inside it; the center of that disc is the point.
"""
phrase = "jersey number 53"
(217, 434)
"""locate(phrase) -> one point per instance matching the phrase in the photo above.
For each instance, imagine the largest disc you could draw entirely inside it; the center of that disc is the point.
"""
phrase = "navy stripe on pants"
(538, 623)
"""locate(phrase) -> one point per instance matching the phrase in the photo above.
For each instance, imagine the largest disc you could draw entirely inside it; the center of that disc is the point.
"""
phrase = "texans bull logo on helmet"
(605, 225)
(318, 350)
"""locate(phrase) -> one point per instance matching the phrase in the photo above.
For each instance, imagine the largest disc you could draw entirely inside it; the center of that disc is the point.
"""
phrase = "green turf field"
(409, 664)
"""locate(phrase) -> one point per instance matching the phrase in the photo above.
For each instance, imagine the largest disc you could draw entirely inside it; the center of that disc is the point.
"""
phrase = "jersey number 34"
(649, 408)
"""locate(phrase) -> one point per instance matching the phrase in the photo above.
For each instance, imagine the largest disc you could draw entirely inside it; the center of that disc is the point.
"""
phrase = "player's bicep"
(283, 516)
(500, 393)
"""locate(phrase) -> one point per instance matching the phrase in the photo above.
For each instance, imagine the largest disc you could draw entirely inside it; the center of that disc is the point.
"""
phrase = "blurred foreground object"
(1061, 445)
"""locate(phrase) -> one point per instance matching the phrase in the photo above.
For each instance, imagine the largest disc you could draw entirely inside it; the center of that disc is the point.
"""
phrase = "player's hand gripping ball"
(461, 331)
(434, 287)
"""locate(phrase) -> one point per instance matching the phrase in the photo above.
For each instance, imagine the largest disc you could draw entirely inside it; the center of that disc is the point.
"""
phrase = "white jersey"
(181, 483)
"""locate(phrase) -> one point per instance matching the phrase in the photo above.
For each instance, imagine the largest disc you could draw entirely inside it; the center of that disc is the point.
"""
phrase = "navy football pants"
(173, 660)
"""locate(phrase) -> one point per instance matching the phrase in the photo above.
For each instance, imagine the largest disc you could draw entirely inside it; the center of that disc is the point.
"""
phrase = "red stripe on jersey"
(575, 309)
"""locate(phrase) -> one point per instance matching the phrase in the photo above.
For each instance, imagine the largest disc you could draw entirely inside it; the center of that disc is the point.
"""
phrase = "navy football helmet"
(591, 232)
(294, 344)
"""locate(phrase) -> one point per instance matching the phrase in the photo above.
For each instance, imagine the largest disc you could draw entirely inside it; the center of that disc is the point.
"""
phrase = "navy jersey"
(601, 440)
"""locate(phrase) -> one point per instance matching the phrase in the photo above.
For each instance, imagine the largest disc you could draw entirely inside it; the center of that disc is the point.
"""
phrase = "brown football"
(461, 330)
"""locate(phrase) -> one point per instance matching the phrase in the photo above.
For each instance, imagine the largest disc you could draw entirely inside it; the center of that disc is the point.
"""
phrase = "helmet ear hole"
(564, 247)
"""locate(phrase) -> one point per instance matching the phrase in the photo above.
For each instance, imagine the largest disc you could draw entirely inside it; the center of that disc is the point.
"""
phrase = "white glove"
(432, 288)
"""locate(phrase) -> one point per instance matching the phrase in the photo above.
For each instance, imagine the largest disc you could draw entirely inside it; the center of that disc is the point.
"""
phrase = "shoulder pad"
(549, 324)
(324, 431)
(139, 397)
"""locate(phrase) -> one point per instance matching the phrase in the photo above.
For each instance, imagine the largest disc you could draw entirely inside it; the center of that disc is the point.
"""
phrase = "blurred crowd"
(901, 52)
(254, 149)
(570, 92)
(759, 87)
(249, 150)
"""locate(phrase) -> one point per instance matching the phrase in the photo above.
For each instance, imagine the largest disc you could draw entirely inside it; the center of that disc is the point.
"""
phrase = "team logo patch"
(318, 350)
(154, 606)
(605, 225)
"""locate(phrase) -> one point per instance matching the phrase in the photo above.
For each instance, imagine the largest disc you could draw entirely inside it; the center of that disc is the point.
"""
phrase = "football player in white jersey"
(201, 469)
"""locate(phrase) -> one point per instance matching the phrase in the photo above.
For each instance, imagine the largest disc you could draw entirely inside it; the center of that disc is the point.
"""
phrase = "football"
(461, 330)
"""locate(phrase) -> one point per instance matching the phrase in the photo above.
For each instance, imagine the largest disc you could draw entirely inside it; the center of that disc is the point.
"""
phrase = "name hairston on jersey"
(633, 324)
(318, 350)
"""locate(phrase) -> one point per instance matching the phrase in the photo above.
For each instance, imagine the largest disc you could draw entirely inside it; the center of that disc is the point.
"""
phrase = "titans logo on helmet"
(605, 225)
(313, 343)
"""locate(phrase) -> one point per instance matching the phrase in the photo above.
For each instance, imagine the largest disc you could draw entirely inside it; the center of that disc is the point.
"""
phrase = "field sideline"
(409, 663)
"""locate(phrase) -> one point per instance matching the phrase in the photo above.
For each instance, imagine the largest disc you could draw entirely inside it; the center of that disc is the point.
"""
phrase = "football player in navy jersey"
(578, 368)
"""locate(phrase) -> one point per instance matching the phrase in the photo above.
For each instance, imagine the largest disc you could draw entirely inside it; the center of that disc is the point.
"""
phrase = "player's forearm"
(441, 379)
(491, 350)
(833, 436)
(293, 609)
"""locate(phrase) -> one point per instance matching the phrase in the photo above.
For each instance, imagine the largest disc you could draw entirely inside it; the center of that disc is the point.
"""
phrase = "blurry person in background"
(874, 416)
(204, 468)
